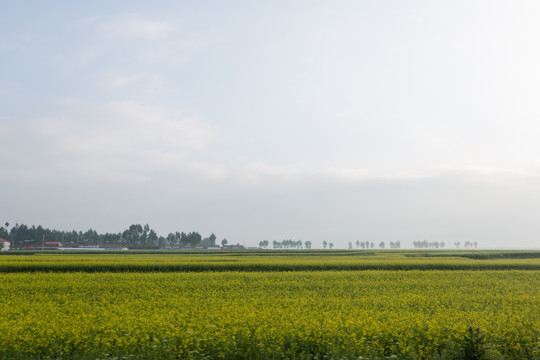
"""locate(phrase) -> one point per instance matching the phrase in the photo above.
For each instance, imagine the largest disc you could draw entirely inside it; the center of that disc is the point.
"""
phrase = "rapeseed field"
(266, 261)
(298, 314)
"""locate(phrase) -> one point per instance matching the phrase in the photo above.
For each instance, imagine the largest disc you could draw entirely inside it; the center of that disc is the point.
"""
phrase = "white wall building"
(4, 245)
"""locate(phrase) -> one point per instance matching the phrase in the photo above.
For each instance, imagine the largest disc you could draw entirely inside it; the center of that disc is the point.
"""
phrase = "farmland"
(271, 305)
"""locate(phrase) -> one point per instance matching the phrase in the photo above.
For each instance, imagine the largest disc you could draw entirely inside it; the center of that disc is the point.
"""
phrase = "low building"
(113, 247)
(208, 247)
(53, 243)
(47, 245)
(5, 245)
(233, 247)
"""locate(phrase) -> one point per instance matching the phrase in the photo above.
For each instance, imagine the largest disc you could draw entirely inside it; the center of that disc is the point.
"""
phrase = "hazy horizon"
(342, 121)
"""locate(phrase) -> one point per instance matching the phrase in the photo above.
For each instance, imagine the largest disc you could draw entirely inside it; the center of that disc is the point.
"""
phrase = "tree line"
(298, 244)
(428, 245)
(142, 236)
(134, 236)
(286, 244)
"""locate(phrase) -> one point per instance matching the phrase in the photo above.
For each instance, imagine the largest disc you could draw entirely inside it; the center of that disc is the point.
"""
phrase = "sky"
(306, 120)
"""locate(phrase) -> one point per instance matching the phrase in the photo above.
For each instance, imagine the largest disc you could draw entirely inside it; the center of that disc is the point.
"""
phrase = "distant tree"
(475, 244)
(372, 245)
(181, 238)
(357, 244)
(324, 244)
(212, 239)
(224, 242)
(161, 242)
(381, 244)
(307, 244)
(194, 239)
(4, 233)
(105, 238)
(132, 234)
(152, 238)
(143, 239)
(171, 239)
(457, 244)
(350, 245)
(331, 245)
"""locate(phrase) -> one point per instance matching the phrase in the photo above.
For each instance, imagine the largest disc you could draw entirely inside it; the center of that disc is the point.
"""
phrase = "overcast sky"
(270, 120)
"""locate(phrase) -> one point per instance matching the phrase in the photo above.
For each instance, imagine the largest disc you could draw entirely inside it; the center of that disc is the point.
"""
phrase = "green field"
(271, 305)
(270, 260)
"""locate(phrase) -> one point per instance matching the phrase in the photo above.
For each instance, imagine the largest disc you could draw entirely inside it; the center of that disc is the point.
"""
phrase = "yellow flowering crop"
(415, 314)
(258, 261)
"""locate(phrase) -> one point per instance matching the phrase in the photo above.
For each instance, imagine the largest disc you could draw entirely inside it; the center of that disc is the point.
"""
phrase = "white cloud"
(139, 83)
(207, 170)
(121, 140)
(261, 174)
(10, 91)
(488, 174)
(349, 174)
(136, 27)
(471, 173)
(353, 175)
(6, 129)
(115, 81)
(156, 127)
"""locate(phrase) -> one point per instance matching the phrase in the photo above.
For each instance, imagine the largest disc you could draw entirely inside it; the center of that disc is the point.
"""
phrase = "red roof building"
(53, 243)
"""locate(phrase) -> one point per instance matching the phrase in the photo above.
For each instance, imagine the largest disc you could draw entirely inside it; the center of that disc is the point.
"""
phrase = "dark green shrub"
(473, 347)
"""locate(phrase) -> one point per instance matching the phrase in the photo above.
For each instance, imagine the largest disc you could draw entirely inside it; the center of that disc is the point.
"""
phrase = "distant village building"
(47, 245)
(233, 247)
(94, 247)
(4, 245)
(208, 247)
(53, 244)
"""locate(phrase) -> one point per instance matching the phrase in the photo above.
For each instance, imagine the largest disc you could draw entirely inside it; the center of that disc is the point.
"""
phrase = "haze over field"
(316, 120)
